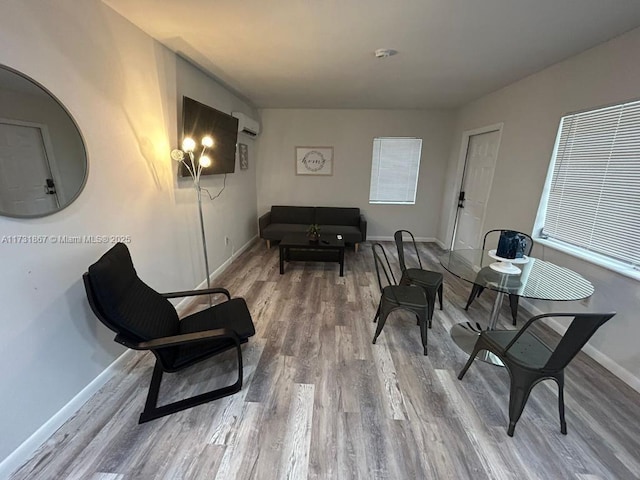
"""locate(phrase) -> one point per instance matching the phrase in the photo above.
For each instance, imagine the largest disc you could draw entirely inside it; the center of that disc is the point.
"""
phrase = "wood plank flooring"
(321, 402)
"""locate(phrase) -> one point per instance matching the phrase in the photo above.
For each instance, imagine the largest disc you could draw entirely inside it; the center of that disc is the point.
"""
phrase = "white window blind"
(594, 194)
(394, 170)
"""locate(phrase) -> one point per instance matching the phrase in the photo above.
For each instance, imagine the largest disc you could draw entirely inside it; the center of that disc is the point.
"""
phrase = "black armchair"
(144, 319)
(394, 297)
(529, 360)
(430, 281)
(478, 289)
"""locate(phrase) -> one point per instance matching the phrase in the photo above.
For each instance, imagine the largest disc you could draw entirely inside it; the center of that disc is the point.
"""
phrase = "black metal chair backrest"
(126, 305)
(383, 266)
(581, 329)
(528, 239)
(398, 237)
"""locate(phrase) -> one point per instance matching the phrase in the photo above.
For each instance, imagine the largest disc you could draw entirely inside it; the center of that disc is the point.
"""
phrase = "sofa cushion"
(275, 231)
(349, 233)
(337, 216)
(285, 214)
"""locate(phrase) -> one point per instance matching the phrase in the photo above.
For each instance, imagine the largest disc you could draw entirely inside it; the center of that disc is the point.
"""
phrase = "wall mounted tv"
(199, 120)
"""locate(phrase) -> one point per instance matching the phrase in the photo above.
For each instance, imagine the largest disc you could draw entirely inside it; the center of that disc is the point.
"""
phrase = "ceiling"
(319, 53)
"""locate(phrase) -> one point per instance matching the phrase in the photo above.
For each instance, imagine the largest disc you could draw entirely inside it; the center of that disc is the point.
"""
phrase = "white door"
(24, 171)
(480, 163)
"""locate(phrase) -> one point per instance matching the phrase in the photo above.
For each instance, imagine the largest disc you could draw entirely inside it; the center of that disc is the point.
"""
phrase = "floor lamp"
(187, 157)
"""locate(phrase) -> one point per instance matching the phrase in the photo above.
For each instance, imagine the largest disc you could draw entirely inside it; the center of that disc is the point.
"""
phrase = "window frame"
(589, 256)
(417, 173)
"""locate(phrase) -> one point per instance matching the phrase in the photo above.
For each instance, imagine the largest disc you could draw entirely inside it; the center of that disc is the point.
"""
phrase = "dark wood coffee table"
(298, 247)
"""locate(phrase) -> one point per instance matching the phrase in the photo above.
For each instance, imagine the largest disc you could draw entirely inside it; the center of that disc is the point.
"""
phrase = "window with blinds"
(394, 170)
(593, 200)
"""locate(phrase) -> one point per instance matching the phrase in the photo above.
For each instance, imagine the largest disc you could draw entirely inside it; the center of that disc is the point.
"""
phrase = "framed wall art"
(314, 160)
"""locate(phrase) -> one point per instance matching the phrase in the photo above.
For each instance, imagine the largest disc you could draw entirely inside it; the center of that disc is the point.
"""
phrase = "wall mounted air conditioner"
(246, 125)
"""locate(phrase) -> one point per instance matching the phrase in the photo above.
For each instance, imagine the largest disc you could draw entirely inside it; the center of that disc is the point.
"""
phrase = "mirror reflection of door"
(43, 160)
(482, 152)
(25, 170)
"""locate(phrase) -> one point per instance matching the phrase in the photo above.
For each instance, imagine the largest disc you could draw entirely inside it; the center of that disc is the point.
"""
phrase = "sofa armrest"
(263, 221)
(363, 227)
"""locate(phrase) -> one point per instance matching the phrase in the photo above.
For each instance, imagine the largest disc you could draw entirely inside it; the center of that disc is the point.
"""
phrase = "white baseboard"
(21, 454)
(441, 244)
(622, 373)
(24, 452)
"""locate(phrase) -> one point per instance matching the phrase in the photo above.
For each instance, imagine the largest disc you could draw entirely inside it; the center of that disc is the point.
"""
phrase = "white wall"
(123, 89)
(351, 133)
(531, 111)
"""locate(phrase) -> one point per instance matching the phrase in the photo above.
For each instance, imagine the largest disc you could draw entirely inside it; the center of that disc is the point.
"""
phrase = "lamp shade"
(177, 155)
(188, 144)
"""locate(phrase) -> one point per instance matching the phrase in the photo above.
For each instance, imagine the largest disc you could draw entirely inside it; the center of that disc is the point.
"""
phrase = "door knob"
(50, 187)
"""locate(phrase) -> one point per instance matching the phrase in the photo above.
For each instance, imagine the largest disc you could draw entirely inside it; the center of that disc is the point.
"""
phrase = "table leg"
(342, 262)
(281, 260)
(465, 334)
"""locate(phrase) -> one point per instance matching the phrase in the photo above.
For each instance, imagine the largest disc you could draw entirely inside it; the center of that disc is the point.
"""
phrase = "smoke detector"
(385, 52)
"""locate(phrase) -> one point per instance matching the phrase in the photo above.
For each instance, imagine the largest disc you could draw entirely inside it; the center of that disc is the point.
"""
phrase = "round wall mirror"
(43, 161)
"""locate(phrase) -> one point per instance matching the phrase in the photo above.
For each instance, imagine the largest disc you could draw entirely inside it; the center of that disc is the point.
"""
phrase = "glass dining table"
(538, 279)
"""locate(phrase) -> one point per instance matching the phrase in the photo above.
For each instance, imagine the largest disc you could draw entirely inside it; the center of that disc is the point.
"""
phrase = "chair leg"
(475, 292)
(520, 390)
(440, 289)
(151, 411)
(563, 423)
(154, 389)
(513, 303)
(356, 247)
(268, 244)
(431, 303)
(476, 349)
(377, 314)
(381, 321)
(423, 330)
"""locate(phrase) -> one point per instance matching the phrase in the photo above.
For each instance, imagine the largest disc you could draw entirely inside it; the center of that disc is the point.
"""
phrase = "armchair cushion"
(131, 306)
(210, 319)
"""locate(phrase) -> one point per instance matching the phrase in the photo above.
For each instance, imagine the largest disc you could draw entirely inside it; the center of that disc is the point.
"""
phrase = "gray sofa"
(281, 220)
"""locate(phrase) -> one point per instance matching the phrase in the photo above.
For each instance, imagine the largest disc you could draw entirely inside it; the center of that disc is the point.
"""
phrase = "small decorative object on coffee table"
(313, 232)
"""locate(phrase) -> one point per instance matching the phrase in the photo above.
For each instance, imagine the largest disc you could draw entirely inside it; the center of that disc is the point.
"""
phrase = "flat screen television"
(198, 121)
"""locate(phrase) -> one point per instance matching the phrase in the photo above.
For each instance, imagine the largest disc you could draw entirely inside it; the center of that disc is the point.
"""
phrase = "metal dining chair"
(394, 297)
(430, 281)
(529, 360)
